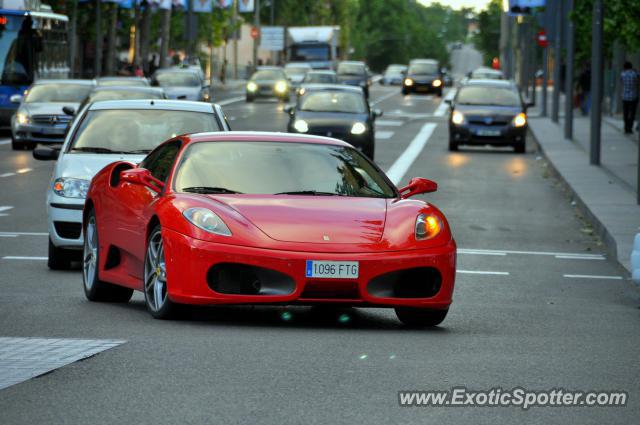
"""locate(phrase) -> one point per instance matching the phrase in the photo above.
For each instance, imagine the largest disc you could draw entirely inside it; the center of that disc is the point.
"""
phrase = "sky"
(457, 4)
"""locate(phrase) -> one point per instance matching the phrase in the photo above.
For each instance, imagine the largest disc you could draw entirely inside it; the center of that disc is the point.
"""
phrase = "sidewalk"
(606, 194)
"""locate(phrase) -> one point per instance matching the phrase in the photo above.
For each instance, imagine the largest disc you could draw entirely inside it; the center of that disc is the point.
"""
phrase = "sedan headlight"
(408, 82)
(358, 128)
(427, 226)
(301, 126)
(457, 118)
(436, 83)
(206, 220)
(22, 118)
(251, 86)
(281, 87)
(71, 188)
(520, 120)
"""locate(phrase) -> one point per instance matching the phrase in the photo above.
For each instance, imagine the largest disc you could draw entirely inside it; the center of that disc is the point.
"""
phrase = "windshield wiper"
(208, 189)
(95, 149)
(138, 151)
(309, 192)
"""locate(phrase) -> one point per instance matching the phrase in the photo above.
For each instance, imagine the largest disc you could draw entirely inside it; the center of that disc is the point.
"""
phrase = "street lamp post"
(568, 83)
(557, 61)
(256, 39)
(596, 80)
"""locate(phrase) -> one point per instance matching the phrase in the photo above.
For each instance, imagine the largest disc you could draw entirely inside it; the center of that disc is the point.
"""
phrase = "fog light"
(301, 126)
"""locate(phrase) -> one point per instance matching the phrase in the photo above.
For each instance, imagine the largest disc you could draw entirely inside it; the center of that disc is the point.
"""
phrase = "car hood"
(489, 111)
(305, 219)
(87, 165)
(186, 93)
(330, 119)
(47, 108)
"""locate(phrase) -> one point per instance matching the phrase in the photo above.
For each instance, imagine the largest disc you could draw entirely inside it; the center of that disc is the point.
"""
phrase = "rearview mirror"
(46, 153)
(418, 185)
(68, 110)
(143, 177)
(15, 98)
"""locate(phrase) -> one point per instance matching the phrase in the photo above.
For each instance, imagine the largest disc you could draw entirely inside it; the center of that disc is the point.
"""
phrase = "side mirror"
(46, 153)
(288, 109)
(448, 101)
(141, 176)
(530, 104)
(15, 98)
(377, 113)
(68, 110)
(418, 185)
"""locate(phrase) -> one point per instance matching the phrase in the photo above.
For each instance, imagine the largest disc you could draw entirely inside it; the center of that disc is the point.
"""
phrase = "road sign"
(272, 38)
(255, 32)
(541, 38)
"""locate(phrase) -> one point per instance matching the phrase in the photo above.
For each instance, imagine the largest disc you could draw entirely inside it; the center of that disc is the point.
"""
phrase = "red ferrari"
(248, 218)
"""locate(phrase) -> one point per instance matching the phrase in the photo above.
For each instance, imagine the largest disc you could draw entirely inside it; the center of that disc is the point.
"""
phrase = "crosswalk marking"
(383, 135)
(389, 123)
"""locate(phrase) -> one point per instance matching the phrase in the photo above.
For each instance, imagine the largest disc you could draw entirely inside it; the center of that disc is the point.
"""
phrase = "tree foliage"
(487, 39)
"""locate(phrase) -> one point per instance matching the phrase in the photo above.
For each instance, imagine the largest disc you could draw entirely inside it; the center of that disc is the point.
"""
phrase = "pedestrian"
(223, 72)
(584, 87)
(152, 64)
(630, 80)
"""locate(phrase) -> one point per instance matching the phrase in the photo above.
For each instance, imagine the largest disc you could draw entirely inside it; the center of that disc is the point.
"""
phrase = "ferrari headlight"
(436, 83)
(408, 82)
(457, 118)
(281, 87)
(301, 126)
(206, 220)
(71, 188)
(520, 120)
(251, 86)
(22, 118)
(427, 226)
(358, 128)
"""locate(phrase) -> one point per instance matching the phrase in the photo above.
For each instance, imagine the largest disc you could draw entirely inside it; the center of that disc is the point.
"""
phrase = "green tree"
(487, 39)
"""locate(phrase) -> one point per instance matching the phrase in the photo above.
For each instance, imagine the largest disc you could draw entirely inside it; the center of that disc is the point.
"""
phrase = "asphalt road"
(519, 318)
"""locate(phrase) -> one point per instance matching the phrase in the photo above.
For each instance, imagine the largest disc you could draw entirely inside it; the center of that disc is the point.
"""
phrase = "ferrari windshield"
(73, 93)
(279, 168)
(333, 101)
(136, 130)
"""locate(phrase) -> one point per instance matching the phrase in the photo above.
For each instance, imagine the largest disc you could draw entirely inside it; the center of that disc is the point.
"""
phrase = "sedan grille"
(51, 119)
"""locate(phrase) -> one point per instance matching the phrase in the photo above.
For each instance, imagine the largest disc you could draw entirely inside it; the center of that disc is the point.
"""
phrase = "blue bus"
(33, 45)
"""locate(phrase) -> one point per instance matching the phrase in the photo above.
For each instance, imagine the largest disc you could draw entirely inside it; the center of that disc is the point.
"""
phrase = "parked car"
(355, 73)
(393, 75)
(423, 76)
(335, 111)
(265, 218)
(182, 84)
(268, 82)
(105, 132)
(488, 112)
(46, 110)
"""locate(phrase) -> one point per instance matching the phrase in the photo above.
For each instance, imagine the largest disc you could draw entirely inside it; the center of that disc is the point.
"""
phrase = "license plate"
(488, 132)
(332, 269)
(52, 130)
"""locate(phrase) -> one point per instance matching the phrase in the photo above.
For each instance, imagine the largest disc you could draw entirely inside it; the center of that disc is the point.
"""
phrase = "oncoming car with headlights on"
(423, 76)
(335, 111)
(269, 82)
(265, 218)
(105, 132)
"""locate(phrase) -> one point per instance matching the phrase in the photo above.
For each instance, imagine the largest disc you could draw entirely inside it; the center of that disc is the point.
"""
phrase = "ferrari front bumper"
(190, 263)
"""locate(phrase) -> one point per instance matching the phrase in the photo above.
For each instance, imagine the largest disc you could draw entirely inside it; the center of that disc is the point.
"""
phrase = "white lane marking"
(5, 142)
(482, 272)
(25, 233)
(4, 208)
(382, 135)
(7, 174)
(404, 161)
(24, 170)
(230, 101)
(578, 257)
(12, 257)
(389, 123)
(443, 107)
(410, 115)
(589, 276)
(507, 251)
(385, 97)
(8, 236)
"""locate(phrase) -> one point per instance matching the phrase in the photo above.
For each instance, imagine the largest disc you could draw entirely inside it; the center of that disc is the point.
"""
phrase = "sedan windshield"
(279, 168)
(136, 82)
(73, 93)
(320, 78)
(328, 101)
(423, 68)
(178, 79)
(136, 130)
(351, 69)
(295, 71)
(487, 95)
(268, 75)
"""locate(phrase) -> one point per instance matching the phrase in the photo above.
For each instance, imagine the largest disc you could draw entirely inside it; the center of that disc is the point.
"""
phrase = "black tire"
(249, 99)
(95, 289)
(439, 93)
(453, 145)
(520, 147)
(405, 91)
(370, 151)
(18, 146)
(168, 309)
(60, 258)
(419, 317)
